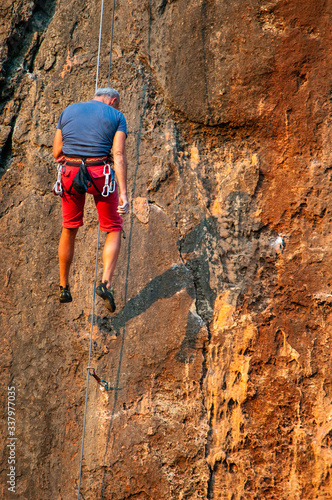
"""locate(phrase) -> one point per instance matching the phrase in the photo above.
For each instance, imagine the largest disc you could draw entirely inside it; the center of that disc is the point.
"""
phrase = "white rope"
(99, 44)
(111, 48)
(88, 369)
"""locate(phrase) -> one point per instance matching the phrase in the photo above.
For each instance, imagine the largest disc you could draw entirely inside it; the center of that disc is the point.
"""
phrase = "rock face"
(220, 350)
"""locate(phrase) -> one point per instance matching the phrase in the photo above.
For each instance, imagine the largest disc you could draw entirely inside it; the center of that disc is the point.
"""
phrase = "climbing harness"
(82, 180)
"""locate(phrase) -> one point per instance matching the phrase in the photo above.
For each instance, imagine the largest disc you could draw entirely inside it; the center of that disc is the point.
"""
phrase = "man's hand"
(123, 206)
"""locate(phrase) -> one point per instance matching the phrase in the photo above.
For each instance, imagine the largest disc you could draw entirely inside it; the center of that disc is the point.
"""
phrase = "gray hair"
(107, 91)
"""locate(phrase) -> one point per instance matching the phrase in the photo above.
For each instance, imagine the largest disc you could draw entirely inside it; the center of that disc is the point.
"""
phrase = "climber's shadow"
(192, 277)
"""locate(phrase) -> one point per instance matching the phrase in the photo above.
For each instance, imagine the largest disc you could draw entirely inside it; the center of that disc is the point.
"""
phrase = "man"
(87, 131)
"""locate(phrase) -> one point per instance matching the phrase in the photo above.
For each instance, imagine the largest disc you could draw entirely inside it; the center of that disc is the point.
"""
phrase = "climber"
(86, 132)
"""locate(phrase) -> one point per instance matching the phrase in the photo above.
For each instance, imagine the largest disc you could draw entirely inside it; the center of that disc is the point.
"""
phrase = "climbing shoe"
(107, 295)
(65, 295)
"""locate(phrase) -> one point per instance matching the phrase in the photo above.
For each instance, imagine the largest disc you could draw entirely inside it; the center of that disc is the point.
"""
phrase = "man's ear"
(115, 102)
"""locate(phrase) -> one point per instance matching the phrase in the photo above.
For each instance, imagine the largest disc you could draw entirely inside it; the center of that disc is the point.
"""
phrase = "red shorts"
(73, 203)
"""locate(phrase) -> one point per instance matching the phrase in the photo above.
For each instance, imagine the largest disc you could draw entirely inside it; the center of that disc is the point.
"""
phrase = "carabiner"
(105, 168)
(112, 186)
(57, 188)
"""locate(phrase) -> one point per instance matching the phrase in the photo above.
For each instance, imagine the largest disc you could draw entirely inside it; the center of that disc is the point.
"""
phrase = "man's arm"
(120, 167)
(57, 144)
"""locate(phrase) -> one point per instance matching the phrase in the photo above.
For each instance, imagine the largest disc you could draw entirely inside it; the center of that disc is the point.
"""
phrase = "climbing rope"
(88, 369)
(99, 43)
(111, 47)
(99, 380)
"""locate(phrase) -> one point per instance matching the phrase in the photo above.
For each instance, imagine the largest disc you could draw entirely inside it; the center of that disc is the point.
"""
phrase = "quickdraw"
(108, 187)
(57, 188)
(100, 381)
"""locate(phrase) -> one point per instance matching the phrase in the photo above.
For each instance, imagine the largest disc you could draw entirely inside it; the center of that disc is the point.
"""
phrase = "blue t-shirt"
(88, 128)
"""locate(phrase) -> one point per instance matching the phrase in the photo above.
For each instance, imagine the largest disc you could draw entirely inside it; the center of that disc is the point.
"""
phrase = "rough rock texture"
(220, 350)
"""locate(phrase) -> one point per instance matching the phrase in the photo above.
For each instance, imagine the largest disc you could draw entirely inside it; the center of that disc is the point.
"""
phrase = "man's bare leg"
(66, 253)
(110, 255)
